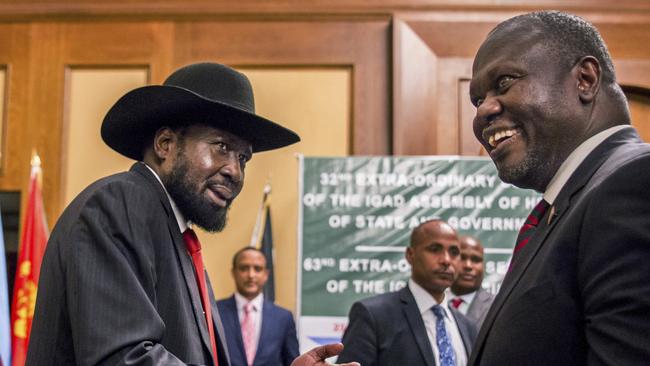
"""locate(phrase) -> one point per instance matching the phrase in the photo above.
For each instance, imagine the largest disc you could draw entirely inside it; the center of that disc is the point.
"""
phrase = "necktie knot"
(528, 228)
(537, 213)
(456, 301)
(437, 310)
(191, 241)
(249, 307)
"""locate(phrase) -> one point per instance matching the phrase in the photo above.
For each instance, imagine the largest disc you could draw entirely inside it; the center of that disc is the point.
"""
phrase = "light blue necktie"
(446, 351)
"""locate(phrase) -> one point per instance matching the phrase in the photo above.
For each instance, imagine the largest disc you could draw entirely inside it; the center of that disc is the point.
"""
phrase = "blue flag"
(266, 247)
(5, 335)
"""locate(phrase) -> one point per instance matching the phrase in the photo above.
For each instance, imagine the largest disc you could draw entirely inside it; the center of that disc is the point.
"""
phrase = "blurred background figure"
(467, 295)
(258, 332)
(414, 326)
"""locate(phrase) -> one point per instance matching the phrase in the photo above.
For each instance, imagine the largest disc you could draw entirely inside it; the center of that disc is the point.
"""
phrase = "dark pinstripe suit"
(117, 286)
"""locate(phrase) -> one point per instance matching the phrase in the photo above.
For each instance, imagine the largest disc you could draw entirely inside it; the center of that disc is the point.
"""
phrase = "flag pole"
(259, 221)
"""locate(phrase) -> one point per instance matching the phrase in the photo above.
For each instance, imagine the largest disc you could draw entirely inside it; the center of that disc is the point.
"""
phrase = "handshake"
(318, 355)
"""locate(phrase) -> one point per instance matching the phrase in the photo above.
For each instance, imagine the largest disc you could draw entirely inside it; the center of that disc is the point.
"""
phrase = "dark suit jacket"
(117, 286)
(388, 330)
(579, 291)
(278, 344)
(479, 307)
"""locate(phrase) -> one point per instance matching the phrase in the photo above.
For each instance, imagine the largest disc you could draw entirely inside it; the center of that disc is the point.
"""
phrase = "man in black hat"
(122, 280)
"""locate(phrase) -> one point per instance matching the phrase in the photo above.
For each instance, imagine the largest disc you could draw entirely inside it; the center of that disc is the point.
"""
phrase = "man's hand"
(317, 356)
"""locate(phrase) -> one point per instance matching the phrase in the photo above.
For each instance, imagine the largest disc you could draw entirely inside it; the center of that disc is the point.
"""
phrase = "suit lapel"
(475, 306)
(184, 258)
(478, 304)
(190, 281)
(463, 329)
(562, 203)
(268, 325)
(414, 318)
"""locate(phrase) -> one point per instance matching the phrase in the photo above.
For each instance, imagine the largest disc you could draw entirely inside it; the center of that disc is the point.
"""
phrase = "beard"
(523, 174)
(186, 192)
(533, 172)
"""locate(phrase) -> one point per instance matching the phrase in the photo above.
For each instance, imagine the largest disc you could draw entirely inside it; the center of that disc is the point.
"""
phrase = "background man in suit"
(467, 295)
(553, 118)
(414, 326)
(122, 280)
(259, 332)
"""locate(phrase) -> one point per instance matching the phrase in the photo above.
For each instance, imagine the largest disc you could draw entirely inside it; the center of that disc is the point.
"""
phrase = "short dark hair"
(569, 36)
(240, 251)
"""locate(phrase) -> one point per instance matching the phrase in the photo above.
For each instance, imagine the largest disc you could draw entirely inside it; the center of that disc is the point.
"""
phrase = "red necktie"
(194, 248)
(528, 229)
(456, 301)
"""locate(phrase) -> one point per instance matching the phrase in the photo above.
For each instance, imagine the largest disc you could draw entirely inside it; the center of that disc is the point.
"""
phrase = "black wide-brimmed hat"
(207, 93)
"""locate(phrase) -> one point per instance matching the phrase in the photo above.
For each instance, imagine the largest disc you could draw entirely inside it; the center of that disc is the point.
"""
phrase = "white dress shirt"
(256, 314)
(180, 219)
(425, 302)
(574, 160)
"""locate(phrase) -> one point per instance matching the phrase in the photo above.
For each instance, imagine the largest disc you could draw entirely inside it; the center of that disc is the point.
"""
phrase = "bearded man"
(122, 280)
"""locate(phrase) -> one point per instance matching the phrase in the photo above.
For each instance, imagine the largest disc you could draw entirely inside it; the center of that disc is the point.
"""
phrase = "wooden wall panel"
(415, 84)
(452, 40)
(141, 45)
(54, 8)
(14, 57)
(428, 117)
(90, 93)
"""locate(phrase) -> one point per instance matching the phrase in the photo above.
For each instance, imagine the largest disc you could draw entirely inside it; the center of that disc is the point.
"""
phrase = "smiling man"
(552, 117)
(467, 295)
(262, 333)
(123, 280)
(414, 326)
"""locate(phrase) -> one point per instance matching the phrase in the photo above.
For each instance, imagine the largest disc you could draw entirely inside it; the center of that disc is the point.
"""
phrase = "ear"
(164, 141)
(409, 254)
(588, 75)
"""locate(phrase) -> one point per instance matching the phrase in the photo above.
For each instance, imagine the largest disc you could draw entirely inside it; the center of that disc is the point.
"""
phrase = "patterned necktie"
(528, 228)
(456, 301)
(446, 351)
(194, 248)
(248, 332)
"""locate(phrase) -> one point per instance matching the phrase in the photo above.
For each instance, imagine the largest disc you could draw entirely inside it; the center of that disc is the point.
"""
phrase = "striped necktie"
(528, 229)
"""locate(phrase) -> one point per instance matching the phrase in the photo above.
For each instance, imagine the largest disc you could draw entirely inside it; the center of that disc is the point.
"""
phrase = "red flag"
(28, 268)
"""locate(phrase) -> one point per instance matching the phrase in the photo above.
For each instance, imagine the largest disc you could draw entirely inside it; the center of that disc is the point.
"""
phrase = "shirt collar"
(423, 299)
(574, 160)
(180, 219)
(241, 301)
(467, 298)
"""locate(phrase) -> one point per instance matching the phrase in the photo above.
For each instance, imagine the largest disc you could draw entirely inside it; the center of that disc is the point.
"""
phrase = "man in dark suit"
(553, 118)
(467, 295)
(414, 326)
(122, 281)
(259, 332)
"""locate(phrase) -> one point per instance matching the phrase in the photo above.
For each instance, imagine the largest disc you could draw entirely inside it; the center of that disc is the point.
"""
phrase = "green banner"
(357, 214)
